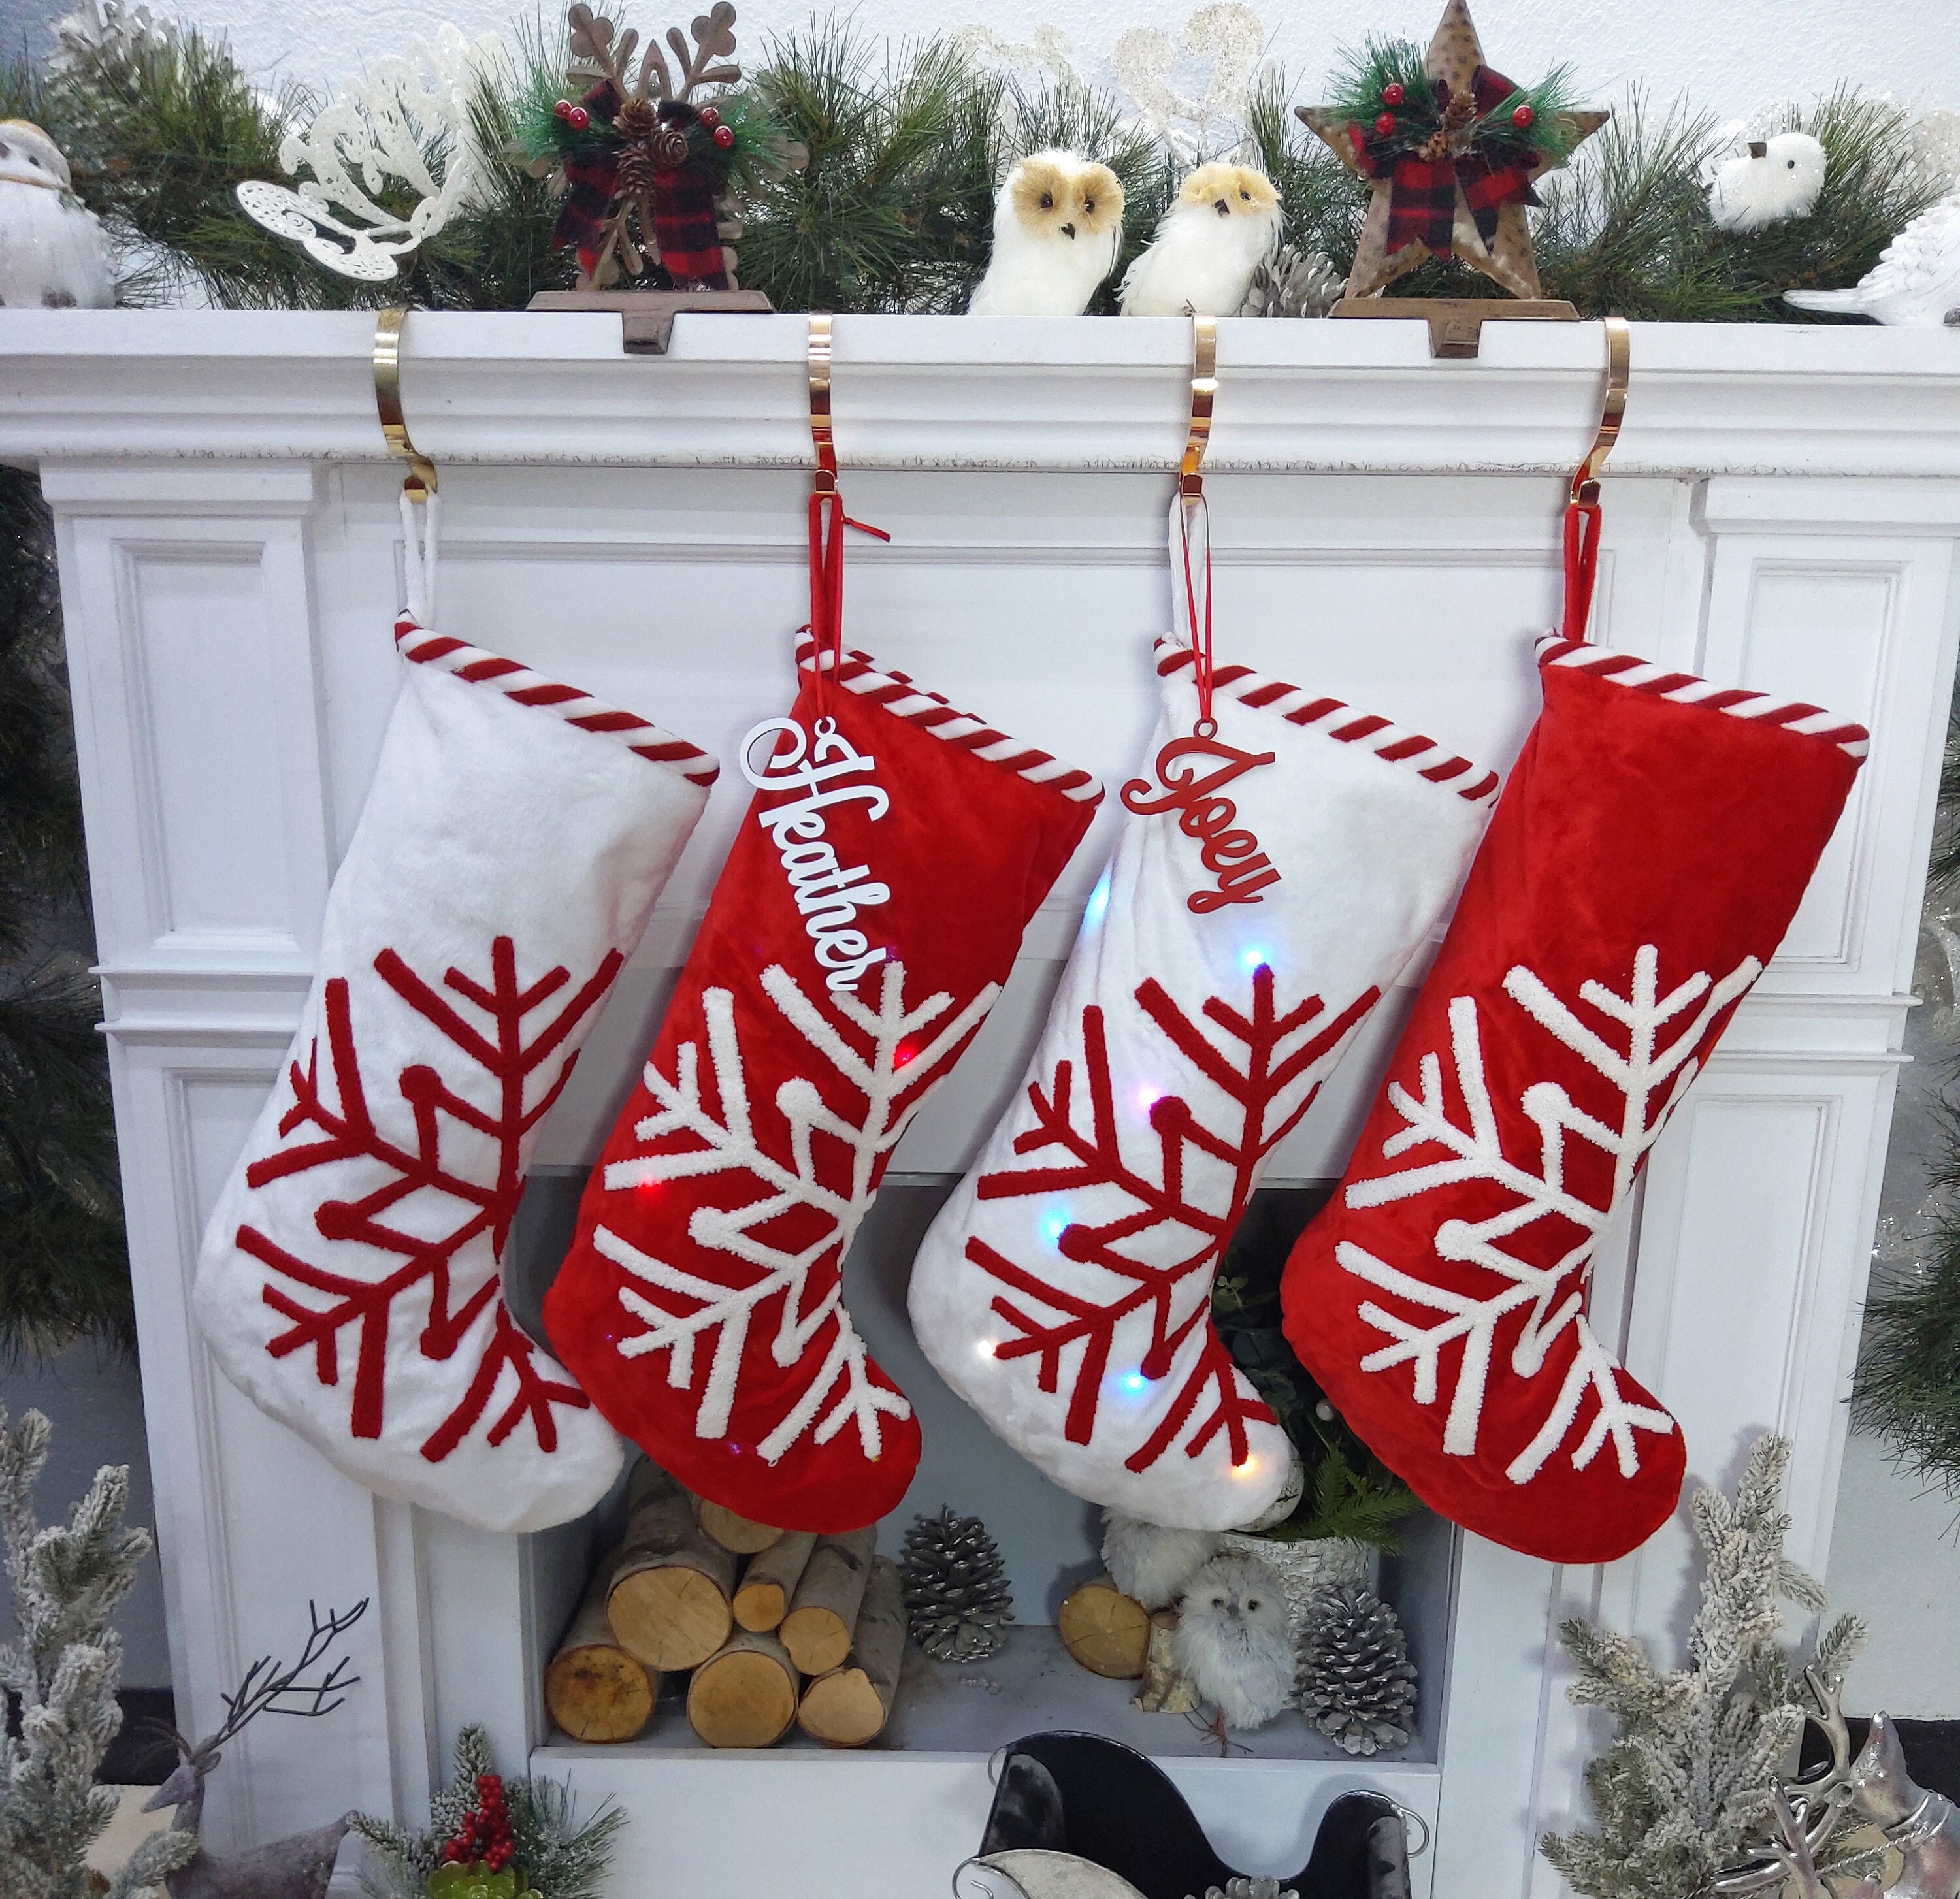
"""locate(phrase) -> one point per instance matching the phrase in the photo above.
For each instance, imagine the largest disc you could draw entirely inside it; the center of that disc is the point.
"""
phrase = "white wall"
(1730, 58)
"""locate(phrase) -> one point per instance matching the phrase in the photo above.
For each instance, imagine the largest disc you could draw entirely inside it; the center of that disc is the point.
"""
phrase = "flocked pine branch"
(64, 1582)
(1686, 1789)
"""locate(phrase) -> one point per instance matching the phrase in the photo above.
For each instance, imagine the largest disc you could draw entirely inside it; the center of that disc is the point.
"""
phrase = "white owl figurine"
(1223, 224)
(1057, 229)
(1149, 1565)
(1916, 280)
(1234, 1641)
(54, 254)
(1772, 179)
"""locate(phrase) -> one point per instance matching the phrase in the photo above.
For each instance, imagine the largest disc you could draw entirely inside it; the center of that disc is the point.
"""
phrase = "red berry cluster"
(575, 117)
(722, 135)
(484, 1835)
(1393, 94)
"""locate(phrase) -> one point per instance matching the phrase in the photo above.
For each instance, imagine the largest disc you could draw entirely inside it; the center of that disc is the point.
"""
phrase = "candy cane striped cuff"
(1336, 719)
(1624, 668)
(904, 699)
(463, 661)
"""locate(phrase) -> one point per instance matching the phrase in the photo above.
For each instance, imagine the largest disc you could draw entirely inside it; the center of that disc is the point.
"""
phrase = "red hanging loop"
(1582, 510)
(827, 517)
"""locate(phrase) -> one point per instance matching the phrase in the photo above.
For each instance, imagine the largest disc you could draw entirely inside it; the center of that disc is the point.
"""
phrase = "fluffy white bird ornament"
(1916, 281)
(53, 253)
(1223, 224)
(1057, 230)
(1153, 1566)
(1233, 1639)
(1769, 180)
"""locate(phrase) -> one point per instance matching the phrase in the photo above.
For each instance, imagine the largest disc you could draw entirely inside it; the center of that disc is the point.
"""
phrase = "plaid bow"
(1422, 192)
(684, 218)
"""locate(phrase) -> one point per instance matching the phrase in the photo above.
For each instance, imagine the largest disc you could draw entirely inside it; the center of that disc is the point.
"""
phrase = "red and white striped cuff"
(459, 658)
(904, 699)
(1638, 676)
(1335, 719)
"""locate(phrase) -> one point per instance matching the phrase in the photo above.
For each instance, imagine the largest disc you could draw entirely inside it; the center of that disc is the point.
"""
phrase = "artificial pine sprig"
(1385, 94)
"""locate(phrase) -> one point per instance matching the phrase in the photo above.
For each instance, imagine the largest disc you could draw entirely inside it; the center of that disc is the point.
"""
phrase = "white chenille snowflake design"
(894, 1075)
(1555, 1294)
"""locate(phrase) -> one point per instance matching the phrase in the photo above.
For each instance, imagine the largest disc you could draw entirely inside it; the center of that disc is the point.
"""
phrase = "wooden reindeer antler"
(715, 39)
(596, 41)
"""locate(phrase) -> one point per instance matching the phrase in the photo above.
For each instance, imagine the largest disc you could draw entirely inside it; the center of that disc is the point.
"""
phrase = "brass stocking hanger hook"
(1204, 394)
(819, 404)
(420, 483)
(1586, 478)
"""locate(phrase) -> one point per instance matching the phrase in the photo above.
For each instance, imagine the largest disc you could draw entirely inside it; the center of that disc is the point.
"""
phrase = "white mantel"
(1782, 513)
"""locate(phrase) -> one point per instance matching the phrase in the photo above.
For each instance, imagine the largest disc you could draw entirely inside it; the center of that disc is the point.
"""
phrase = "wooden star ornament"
(1453, 148)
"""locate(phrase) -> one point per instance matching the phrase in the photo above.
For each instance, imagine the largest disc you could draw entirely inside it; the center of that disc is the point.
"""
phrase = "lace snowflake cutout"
(1553, 1297)
(894, 1074)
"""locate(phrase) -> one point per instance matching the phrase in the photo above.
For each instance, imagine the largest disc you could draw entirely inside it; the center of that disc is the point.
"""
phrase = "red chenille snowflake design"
(420, 1184)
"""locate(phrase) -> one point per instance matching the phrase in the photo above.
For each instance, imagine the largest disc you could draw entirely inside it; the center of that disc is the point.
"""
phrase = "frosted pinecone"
(956, 1596)
(1250, 1889)
(1357, 1684)
(1293, 283)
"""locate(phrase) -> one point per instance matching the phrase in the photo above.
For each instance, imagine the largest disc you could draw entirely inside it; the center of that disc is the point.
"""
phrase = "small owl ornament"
(1233, 1642)
(1771, 180)
(1057, 228)
(53, 253)
(1153, 1566)
(1222, 225)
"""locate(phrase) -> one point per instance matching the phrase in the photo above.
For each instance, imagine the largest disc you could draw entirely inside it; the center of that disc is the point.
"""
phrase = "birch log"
(745, 1696)
(739, 1534)
(596, 1691)
(850, 1706)
(824, 1610)
(1166, 1688)
(1106, 1630)
(769, 1582)
(668, 1603)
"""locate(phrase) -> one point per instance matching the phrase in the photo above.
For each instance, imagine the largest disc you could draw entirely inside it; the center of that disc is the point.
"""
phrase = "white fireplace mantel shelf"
(993, 392)
(1782, 513)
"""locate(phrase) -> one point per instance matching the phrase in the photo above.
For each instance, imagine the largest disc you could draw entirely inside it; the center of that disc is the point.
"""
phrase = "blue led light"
(1099, 902)
(1255, 958)
(1134, 1383)
(1054, 1225)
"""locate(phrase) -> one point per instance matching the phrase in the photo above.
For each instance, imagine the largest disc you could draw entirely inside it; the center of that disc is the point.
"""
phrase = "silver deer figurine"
(1923, 1828)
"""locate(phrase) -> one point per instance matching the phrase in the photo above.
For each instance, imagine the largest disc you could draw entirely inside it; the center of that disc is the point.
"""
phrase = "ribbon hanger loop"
(827, 520)
(1582, 509)
(422, 506)
(1194, 511)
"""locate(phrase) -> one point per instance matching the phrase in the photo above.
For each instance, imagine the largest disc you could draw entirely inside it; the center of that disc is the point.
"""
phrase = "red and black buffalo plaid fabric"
(684, 228)
(1422, 192)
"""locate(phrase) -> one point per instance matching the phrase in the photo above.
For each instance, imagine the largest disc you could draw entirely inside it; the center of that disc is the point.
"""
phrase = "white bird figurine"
(1057, 230)
(1916, 281)
(1772, 179)
(53, 252)
(1233, 1639)
(1223, 224)
(1149, 1565)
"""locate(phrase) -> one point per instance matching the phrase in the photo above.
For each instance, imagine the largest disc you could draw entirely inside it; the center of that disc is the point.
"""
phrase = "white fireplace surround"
(1781, 513)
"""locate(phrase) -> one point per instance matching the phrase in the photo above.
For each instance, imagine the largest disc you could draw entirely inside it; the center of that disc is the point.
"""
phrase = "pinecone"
(1357, 1684)
(1293, 283)
(1250, 1889)
(956, 1594)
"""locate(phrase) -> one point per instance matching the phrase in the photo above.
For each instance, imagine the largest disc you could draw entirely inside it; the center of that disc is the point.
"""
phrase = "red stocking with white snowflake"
(860, 931)
(512, 845)
(1273, 876)
(1650, 848)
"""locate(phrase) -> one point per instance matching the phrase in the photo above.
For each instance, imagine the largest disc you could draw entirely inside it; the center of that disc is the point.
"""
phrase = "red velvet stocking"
(861, 929)
(1647, 856)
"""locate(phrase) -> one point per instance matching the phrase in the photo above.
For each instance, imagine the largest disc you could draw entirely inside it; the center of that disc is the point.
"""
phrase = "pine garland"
(906, 142)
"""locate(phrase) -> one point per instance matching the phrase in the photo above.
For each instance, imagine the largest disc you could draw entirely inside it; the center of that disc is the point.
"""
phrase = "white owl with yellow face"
(1223, 224)
(1058, 229)
(53, 255)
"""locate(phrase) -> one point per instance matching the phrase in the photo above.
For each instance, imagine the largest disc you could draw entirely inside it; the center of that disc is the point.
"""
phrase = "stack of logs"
(777, 1628)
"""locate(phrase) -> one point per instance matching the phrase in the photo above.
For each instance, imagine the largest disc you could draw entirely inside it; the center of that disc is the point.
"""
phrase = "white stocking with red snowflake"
(1246, 926)
(818, 1364)
(1650, 1074)
(350, 1277)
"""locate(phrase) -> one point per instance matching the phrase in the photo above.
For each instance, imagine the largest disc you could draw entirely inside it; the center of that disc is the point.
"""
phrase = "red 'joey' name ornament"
(828, 894)
(1227, 850)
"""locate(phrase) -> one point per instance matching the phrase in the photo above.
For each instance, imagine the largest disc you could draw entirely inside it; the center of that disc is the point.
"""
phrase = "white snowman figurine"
(53, 252)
